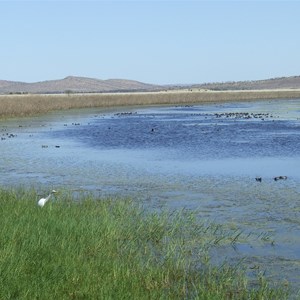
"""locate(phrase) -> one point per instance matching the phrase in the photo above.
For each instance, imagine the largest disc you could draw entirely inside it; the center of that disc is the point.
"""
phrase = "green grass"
(112, 249)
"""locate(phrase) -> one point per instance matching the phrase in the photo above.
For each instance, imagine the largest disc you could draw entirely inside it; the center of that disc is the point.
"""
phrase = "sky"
(159, 42)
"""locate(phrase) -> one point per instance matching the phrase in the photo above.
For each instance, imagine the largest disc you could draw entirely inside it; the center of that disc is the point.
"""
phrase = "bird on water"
(43, 201)
(280, 178)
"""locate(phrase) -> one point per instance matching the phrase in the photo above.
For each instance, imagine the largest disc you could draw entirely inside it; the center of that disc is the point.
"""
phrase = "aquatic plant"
(112, 249)
(34, 104)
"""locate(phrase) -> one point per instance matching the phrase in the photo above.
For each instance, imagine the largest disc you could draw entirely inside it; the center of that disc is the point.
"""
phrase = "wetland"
(201, 158)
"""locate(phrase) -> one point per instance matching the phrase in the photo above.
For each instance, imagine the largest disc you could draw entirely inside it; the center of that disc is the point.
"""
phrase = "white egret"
(43, 201)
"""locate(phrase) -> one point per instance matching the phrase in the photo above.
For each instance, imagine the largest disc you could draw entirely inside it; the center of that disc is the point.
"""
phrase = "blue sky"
(163, 42)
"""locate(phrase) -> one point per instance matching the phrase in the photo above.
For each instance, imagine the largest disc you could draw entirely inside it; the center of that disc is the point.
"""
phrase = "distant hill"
(292, 82)
(4, 84)
(72, 84)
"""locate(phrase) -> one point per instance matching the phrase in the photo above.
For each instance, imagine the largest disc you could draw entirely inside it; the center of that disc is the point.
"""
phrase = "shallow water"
(202, 158)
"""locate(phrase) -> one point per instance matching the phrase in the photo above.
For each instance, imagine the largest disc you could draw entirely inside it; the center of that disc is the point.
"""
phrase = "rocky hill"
(74, 84)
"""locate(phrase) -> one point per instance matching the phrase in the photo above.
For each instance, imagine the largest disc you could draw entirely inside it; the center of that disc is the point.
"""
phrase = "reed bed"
(28, 105)
(112, 249)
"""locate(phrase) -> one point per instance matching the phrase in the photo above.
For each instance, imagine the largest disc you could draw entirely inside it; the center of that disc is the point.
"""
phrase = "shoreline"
(36, 104)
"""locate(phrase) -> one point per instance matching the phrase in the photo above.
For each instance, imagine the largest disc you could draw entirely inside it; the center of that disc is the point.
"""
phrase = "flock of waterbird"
(259, 179)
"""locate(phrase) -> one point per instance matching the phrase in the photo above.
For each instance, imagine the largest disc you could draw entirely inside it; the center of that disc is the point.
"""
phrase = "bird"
(280, 178)
(43, 201)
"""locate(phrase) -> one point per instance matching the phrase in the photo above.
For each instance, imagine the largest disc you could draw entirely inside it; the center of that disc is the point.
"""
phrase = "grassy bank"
(27, 105)
(111, 249)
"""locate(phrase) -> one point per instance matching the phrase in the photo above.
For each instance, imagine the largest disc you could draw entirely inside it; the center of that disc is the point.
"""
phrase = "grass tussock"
(28, 105)
(110, 249)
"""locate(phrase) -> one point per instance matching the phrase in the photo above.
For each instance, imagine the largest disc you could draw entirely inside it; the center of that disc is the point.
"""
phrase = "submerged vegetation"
(33, 104)
(113, 249)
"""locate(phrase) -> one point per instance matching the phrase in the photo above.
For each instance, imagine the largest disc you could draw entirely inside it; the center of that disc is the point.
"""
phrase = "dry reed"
(28, 105)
